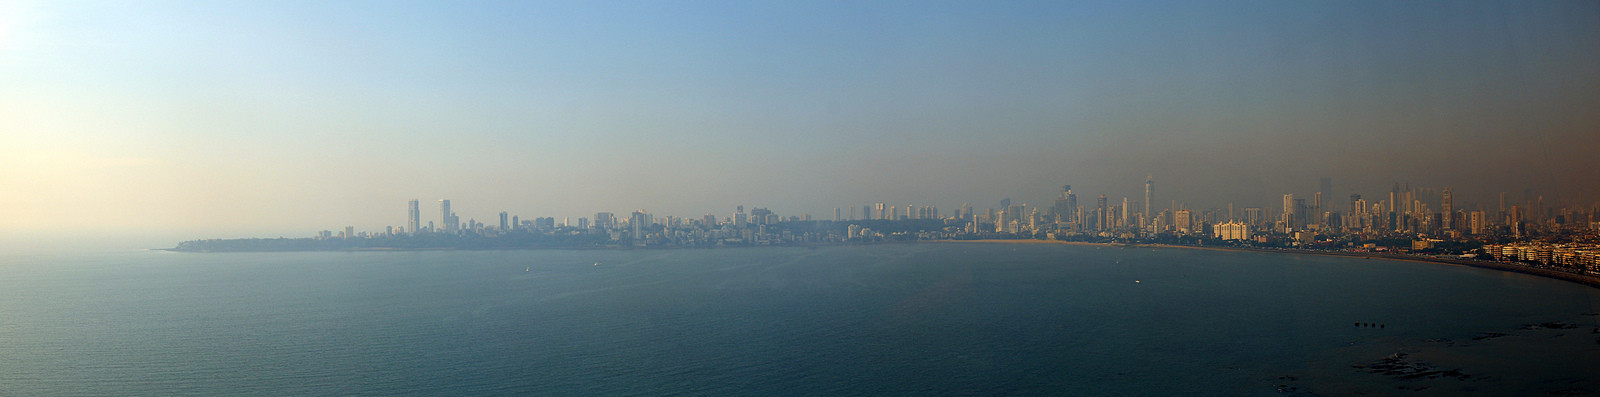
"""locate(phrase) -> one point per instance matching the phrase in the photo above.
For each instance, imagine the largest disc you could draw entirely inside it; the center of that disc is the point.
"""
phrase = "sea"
(889, 319)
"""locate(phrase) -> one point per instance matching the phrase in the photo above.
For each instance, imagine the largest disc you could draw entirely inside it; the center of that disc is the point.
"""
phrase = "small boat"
(597, 263)
(529, 269)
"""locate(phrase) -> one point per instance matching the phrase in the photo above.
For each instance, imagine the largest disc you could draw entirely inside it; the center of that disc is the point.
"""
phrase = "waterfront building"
(1232, 230)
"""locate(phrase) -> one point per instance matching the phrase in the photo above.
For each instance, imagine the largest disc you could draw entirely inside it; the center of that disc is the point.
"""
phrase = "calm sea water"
(912, 319)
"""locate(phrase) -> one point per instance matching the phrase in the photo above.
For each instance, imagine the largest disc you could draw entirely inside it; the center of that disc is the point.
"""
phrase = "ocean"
(892, 319)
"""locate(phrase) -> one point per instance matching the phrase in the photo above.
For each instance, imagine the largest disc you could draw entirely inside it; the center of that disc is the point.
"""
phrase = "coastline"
(1587, 280)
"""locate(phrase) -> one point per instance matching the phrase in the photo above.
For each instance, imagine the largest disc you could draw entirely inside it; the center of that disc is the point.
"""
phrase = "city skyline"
(1294, 213)
(242, 120)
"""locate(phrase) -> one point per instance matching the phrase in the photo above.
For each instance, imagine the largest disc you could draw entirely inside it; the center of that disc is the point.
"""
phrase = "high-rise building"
(1446, 208)
(1062, 210)
(1288, 216)
(639, 222)
(1316, 208)
(1149, 191)
(1392, 215)
(1183, 221)
(605, 221)
(1124, 212)
(1301, 214)
(447, 218)
(414, 217)
(1516, 221)
(1101, 214)
(1232, 231)
(836, 214)
(505, 221)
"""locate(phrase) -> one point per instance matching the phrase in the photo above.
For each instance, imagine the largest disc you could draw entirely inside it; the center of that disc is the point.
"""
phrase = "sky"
(183, 120)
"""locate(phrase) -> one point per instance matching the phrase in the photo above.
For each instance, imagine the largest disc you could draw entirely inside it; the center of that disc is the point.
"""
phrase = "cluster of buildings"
(1423, 219)
(1576, 258)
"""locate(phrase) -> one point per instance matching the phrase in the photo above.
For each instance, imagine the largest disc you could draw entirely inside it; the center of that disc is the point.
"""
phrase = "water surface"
(945, 318)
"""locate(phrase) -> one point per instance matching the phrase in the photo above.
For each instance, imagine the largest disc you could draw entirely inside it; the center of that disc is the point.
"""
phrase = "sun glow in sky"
(233, 119)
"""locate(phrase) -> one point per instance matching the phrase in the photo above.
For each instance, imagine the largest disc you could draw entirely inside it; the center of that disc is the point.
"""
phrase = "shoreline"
(1586, 280)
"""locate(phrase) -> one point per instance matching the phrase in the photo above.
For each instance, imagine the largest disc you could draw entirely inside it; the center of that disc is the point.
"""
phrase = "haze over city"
(281, 118)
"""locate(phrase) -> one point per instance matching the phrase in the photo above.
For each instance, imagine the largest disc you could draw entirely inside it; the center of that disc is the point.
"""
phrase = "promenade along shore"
(1506, 261)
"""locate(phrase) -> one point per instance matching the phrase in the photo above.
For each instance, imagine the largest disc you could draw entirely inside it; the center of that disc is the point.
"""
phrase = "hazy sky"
(230, 119)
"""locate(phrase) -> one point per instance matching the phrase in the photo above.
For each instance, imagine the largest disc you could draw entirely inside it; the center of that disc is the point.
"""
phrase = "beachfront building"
(1232, 230)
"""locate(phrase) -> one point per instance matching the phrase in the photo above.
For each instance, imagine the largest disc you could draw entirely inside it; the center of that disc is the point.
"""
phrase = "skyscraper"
(1124, 212)
(414, 217)
(1316, 208)
(447, 219)
(1446, 210)
(639, 222)
(505, 221)
(1253, 216)
(1101, 214)
(1062, 210)
(1288, 212)
(1149, 190)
